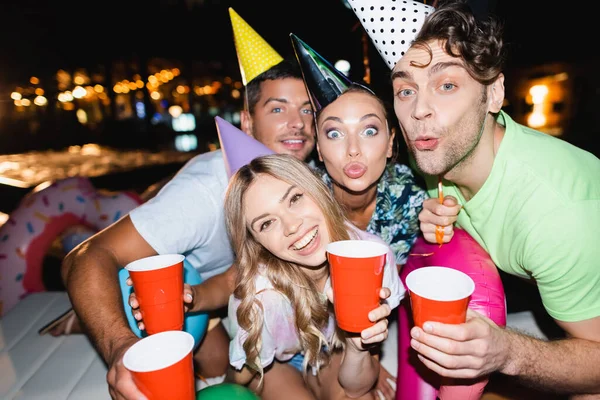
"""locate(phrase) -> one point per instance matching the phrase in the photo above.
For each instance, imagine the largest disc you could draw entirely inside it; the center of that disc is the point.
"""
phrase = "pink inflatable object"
(463, 253)
(39, 219)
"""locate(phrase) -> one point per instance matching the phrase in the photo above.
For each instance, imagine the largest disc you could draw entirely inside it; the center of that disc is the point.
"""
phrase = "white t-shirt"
(186, 216)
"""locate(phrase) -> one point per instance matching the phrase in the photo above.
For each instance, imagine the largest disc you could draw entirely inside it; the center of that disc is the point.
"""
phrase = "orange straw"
(439, 230)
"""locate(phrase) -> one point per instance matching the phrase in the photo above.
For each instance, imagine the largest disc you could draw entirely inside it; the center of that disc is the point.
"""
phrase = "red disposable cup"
(439, 294)
(356, 277)
(158, 287)
(161, 366)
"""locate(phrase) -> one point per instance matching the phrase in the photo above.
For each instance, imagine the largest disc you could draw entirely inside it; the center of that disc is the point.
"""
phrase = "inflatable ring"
(463, 253)
(195, 324)
(42, 215)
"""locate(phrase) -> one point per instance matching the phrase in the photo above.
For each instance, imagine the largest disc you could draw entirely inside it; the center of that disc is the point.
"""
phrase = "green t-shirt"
(538, 216)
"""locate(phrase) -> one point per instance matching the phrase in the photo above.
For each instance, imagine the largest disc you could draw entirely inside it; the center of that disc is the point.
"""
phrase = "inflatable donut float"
(40, 218)
(463, 253)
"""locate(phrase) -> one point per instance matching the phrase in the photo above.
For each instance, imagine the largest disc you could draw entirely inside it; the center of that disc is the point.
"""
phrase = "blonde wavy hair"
(311, 309)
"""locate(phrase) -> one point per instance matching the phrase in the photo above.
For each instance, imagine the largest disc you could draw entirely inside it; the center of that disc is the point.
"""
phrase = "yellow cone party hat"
(255, 56)
(392, 25)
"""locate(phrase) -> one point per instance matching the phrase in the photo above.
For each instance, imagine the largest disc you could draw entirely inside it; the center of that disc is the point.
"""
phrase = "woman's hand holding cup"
(374, 334)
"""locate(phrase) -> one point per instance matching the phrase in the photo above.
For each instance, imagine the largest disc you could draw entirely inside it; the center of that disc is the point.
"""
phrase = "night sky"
(39, 37)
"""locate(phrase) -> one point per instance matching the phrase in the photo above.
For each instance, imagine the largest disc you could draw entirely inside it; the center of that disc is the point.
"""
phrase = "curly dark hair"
(478, 42)
(288, 68)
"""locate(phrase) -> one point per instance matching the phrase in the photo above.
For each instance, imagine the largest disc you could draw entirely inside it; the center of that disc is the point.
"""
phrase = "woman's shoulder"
(265, 290)
(262, 282)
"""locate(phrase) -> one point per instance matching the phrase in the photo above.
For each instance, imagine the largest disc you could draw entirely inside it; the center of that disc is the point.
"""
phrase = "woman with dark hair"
(355, 142)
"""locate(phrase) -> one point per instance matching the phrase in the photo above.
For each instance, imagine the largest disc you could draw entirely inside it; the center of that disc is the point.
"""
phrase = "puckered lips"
(355, 170)
(426, 143)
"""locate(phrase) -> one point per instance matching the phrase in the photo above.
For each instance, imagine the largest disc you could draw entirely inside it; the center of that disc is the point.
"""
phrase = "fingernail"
(415, 333)
(189, 296)
(427, 327)
(414, 344)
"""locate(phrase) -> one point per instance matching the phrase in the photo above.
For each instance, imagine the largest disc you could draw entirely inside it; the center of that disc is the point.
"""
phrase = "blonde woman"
(280, 217)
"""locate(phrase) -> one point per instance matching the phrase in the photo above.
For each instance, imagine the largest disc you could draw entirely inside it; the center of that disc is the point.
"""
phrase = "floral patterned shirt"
(399, 202)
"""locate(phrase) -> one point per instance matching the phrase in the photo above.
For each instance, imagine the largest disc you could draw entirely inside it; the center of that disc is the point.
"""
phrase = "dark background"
(40, 36)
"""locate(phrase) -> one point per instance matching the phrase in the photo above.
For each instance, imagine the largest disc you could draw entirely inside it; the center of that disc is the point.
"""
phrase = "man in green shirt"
(531, 200)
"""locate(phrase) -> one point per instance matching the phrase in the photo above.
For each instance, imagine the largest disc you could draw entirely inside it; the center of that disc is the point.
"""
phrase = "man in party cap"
(530, 199)
(263, 71)
(355, 144)
(186, 216)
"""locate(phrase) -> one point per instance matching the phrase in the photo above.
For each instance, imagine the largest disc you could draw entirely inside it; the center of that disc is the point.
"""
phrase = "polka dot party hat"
(391, 24)
(323, 81)
(255, 56)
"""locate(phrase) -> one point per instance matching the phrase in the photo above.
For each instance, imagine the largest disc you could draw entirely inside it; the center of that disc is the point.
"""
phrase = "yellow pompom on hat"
(255, 55)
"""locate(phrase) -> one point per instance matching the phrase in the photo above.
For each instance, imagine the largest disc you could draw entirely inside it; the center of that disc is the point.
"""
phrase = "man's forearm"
(214, 293)
(565, 366)
(91, 279)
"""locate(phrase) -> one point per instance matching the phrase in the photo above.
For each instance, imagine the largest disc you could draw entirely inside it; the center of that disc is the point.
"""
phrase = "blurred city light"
(79, 92)
(175, 111)
(140, 109)
(538, 93)
(27, 170)
(40, 101)
(186, 142)
(343, 66)
(184, 123)
(536, 119)
(82, 116)
(65, 97)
